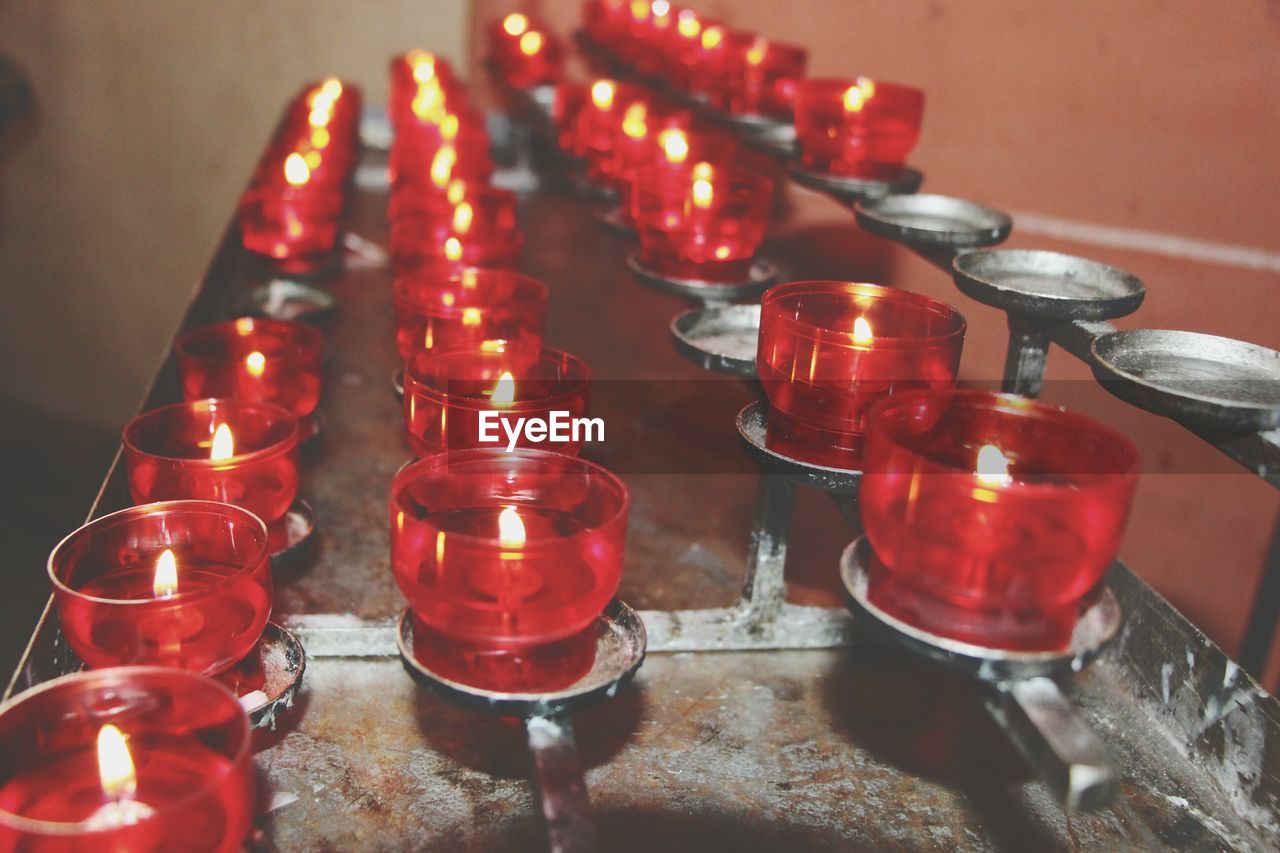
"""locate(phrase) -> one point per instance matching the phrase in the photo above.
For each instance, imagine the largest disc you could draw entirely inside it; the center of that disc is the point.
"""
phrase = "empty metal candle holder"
(283, 662)
(292, 536)
(722, 339)
(1038, 290)
(1022, 695)
(562, 793)
(762, 276)
(850, 190)
(284, 299)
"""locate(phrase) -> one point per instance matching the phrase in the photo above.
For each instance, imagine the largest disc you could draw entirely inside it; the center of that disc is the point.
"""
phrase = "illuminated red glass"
(525, 53)
(412, 72)
(493, 600)
(446, 392)
(639, 144)
(702, 220)
(167, 454)
(188, 741)
(992, 516)
(822, 369)
(115, 609)
(598, 120)
(859, 127)
(490, 202)
(463, 309)
(420, 158)
(275, 361)
(757, 77)
(287, 223)
(425, 240)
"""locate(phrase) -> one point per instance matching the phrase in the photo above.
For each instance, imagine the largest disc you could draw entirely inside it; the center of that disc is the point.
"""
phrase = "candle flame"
(862, 335)
(471, 316)
(331, 88)
(639, 9)
(687, 24)
(515, 24)
(457, 190)
(857, 95)
(510, 529)
(116, 773)
(712, 37)
(462, 216)
(660, 8)
(756, 53)
(453, 249)
(602, 94)
(493, 345)
(992, 467)
(449, 126)
(442, 166)
(296, 170)
(320, 137)
(165, 583)
(469, 278)
(531, 43)
(505, 390)
(675, 145)
(428, 103)
(633, 121)
(244, 325)
(255, 362)
(703, 192)
(423, 65)
(223, 445)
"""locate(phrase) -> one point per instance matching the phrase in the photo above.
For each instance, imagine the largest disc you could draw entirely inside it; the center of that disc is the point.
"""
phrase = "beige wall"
(152, 113)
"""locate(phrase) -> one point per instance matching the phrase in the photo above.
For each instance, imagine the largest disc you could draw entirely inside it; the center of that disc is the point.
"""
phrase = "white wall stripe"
(1154, 242)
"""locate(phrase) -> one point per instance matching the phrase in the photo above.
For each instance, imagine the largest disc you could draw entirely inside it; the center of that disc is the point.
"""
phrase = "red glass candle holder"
(182, 452)
(599, 119)
(275, 361)
(423, 244)
(185, 584)
(501, 555)
(829, 350)
(861, 128)
(419, 76)
(463, 309)
(446, 394)
(701, 221)
(757, 77)
(992, 516)
(128, 758)
(644, 132)
(422, 158)
(487, 204)
(289, 223)
(483, 222)
(525, 54)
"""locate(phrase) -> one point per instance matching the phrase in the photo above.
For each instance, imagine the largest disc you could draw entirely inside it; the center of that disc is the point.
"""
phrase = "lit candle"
(704, 221)
(462, 308)
(829, 350)
(504, 590)
(450, 396)
(243, 452)
(275, 361)
(183, 583)
(991, 516)
(137, 758)
(860, 127)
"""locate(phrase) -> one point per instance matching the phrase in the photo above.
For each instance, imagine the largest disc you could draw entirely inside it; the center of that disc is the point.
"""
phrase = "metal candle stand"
(561, 789)
(762, 276)
(283, 663)
(1023, 697)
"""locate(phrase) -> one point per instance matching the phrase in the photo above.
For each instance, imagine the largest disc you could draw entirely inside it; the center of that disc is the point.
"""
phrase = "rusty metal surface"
(858, 747)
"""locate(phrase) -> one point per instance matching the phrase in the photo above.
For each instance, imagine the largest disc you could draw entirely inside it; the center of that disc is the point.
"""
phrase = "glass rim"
(575, 385)
(117, 675)
(150, 416)
(445, 459)
(310, 339)
(228, 511)
(1012, 406)
(950, 314)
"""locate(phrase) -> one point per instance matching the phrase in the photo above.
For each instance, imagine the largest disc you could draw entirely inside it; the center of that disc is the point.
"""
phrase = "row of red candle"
(291, 211)
(524, 53)
(506, 556)
(856, 127)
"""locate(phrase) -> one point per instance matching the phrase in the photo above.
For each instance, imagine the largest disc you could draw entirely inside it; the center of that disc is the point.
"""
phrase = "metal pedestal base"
(1024, 699)
(763, 276)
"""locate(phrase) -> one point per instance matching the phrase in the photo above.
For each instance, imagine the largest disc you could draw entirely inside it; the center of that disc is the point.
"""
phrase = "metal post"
(1060, 747)
(1260, 630)
(764, 587)
(561, 789)
(1024, 363)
